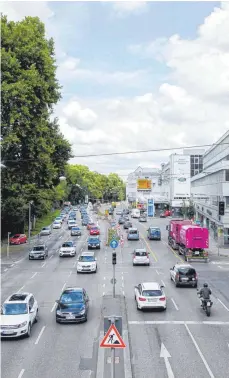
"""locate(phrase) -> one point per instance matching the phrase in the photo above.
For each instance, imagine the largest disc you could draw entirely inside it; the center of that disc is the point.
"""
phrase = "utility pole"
(30, 203)
(113, 354)
(114, 263)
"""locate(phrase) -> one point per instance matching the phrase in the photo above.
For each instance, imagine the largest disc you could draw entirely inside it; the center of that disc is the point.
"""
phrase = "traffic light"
(114, 258)
(221, 207)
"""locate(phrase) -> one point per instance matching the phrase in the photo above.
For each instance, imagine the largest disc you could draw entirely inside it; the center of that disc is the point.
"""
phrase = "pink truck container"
(174, 231)
(194, 237)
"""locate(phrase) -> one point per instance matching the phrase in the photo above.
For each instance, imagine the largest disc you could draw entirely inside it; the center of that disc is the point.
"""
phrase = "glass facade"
(196, 162)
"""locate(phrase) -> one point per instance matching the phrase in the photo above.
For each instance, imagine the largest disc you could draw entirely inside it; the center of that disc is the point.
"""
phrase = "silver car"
(39, 252)
(46, 231)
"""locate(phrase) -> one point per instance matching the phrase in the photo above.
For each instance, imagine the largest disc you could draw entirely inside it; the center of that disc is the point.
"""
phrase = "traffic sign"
(112, 339)
(114, 244)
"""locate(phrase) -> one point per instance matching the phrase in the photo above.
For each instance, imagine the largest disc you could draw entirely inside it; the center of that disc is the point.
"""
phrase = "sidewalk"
(215, 250)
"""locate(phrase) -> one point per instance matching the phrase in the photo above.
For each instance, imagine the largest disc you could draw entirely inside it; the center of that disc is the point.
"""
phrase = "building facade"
(212, 186)
(196, 160)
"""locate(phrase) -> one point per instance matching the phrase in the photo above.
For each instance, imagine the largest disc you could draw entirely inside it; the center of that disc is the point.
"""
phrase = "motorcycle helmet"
(205, 285)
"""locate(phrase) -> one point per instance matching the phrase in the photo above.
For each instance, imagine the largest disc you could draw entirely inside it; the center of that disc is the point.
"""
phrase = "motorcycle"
(206, 305)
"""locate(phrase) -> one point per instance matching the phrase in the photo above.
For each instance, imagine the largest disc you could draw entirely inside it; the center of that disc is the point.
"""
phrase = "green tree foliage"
(96, 185)
(33, 149)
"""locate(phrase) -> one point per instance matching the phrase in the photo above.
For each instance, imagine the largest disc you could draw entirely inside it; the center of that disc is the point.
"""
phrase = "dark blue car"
(72, 307)
(93, 242)
(154, 233)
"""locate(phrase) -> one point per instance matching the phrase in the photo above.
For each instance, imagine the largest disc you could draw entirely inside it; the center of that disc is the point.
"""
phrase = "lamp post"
(30, 203)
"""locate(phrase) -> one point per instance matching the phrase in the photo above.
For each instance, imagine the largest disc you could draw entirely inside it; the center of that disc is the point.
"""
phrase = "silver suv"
(39, 252)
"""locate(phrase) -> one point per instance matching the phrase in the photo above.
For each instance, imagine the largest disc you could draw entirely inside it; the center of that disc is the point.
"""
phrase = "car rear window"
(39, 248)
(140, 254)
(186, 271)
(133, 232)
(152, 293)
(68, 244)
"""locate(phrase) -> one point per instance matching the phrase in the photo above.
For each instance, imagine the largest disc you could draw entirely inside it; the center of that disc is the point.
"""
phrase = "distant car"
(142, 218)
(118, 212)
(67, 249)
(126, 218)
(18, 239)
(141, 257)
(184, 275)
(73, 305)
(121, 220)
(46, 231)
(39, 252)
(150, 295)
(56, 225)
(72, 223)
(19, 313)
(133, 234)
(75, 231)
(154, 233)
(60, 219)
(165, 214)
(127, 225)
(75, 208)
(93, 242)
(90, 225)
(87, 262)
(95, 231)
(84, 222)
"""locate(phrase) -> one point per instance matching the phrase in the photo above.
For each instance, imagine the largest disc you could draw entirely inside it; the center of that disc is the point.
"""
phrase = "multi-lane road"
(179, 342)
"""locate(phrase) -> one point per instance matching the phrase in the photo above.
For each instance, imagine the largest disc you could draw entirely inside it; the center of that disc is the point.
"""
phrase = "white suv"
(87, 262)
(67, 249)
(18, 313)
(150, 295)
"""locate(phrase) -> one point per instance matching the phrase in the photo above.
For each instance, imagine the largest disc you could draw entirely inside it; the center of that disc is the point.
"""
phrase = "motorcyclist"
(204, 293)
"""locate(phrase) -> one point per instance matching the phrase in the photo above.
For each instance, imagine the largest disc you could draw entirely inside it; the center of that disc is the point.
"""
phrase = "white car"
(141, 257)
(150, 295)
(18, 314)
(59, 219)
(67, 249)
(56, 225)
(87, 262)
(46, 231)
(72, 223)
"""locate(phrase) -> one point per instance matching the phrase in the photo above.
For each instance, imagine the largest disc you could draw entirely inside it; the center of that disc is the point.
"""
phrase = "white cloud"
(78, 117)
(125, 8)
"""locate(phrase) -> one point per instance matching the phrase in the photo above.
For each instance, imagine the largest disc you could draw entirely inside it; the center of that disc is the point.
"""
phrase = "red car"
(90, 225)
(94, 231)
(18, 239)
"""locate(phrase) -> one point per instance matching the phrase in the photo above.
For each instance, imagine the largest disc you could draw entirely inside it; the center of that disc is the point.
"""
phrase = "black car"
(127, 225)
(184, 275)
(93, 242)
(72, 307)
(85, 222)
(121, 221)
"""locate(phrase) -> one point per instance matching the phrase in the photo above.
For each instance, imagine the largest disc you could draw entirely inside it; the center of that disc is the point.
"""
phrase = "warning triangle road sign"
(112, 339)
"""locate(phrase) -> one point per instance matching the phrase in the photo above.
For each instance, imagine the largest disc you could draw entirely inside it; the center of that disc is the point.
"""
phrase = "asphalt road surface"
(180, 342)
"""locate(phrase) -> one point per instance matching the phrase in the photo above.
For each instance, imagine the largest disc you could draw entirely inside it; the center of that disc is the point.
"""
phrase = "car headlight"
(21, 325)
(59, 313)
(82, 312)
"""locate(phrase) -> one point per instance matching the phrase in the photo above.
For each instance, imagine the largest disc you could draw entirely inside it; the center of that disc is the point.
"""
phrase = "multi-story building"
(211, 186)
(196, 160)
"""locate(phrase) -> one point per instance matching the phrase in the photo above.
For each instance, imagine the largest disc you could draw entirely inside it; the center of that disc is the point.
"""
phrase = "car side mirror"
(136, 287)
(162, 286)
(1, 310)
(31, 310)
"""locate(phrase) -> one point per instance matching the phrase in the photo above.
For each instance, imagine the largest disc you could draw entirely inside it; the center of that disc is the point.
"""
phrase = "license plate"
(94, 246)
(208, 304)
(197, 253)
(7, 332)
(185, 279)
(151, 300)
(70, 317)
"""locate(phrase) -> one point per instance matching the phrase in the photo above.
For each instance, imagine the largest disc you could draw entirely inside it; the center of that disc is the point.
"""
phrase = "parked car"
(87, 262)
(184, 275)
(165, 214)
(72, 307)
(150, 295)
(46, 231)
(141, 257)
(39, 252)
(18, 239)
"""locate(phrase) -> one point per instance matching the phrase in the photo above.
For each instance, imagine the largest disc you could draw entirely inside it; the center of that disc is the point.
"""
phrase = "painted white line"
(223, 304)
(74, 264)
(100, 361)
(63, 286)
(16, 262)
(103, 294)
(126, 354)
(21, 289)
(175, 305)
(60, 236)
(53, 307)
(123, 292)
(104, 278)
(104, 285)
(219, 266)
(12, 264)
(70, 273)
(21, 373)
(163, 283)
(199, 351)
(5, 270)
(50, 257)
(40, 334)
(43, 264)
(33, 275)
(157, 272)
(178, 322)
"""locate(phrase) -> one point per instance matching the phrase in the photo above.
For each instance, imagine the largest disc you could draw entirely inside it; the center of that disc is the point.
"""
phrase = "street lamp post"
(30, 203)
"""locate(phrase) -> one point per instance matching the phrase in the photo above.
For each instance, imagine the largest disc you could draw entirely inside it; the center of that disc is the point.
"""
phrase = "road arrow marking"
(165, 354)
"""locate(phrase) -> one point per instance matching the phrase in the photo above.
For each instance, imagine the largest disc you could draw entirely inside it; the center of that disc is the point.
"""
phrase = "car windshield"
(93, 240)
(186, 271)
(142, 253)
(68, 244)
(86, 258)
(45, 228)
(39, 248)
(75, 228)
(152, 293)
(133, 232)
(153, 229)
(14, 309)
(74, 296)
(94, 228)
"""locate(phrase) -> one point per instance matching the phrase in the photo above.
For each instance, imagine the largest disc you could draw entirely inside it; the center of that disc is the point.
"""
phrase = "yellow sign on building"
(144, 184)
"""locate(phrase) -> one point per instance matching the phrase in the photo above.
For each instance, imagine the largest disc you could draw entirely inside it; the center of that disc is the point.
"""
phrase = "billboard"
(180, 176)
(144, 184)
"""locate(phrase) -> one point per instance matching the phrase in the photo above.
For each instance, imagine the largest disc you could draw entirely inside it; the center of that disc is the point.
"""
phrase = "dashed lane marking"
(176, 322)
(175, 305)
(223, 304)
(21, 373)
(40, 334)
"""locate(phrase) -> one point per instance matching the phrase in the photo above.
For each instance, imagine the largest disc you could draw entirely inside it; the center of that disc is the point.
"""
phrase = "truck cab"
(154, 233)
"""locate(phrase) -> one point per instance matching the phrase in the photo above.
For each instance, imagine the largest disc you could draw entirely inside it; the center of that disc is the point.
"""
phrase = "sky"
(137, 76)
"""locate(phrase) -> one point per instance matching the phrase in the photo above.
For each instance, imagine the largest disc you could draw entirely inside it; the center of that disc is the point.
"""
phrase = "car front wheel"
(28, 334)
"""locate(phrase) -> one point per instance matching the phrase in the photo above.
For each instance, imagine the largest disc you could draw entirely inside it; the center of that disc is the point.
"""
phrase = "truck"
(174, 231)
(193, 242)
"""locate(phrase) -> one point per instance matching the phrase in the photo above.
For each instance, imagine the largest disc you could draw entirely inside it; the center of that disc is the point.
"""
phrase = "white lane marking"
(199, 351)
(40, 334)
(50, 257)
(104, 285)
(12, 264)
(43, 264)
(21, 373)
(5, 270)
(179, 322)
(100, 361)
(157, 272)
(103, 294)
(175, 305)
(33, 275)
(63, 286)
(219, 266)
(166, 355)
(123, 292)
(16, 262)
(60, 236)
(74, 264)
(70, 273)
(163, 283)
(53, 307)
(104, 278)
(21, 289)
(223, 304)
(126, 354)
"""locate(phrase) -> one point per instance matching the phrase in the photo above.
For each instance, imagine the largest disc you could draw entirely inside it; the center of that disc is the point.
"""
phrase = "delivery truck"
(174, 232)
(194, 240)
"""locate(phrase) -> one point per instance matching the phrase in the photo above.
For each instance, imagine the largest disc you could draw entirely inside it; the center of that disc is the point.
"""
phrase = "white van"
(135, 213)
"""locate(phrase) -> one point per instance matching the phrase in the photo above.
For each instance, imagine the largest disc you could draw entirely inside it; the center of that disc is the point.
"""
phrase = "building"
(196, 160)
(144, 184)
(211, 186)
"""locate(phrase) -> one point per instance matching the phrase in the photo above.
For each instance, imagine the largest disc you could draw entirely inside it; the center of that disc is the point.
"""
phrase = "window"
(227, 175)
(227, 201)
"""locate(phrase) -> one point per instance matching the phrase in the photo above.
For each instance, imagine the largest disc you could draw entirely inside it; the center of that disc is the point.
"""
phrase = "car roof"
(133, 229)
(140, 250)
(70, 288)
(18, 298)
(184, 266)
(39, 245)
(150, 286)
(88, 254)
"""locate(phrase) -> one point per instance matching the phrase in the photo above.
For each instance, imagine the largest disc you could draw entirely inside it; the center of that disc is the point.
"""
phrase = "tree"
(33, 149)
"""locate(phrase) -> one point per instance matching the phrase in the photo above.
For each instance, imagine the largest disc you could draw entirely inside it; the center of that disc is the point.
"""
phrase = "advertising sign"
(180, 176)
(144, 184)
(150, 208)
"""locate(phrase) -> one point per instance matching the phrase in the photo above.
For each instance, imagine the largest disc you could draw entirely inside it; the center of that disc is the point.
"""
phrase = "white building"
(136, 193)
(212, 186)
